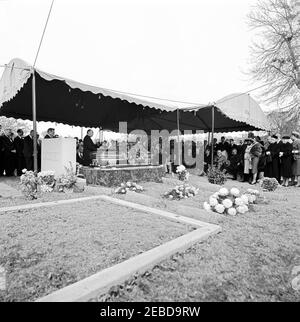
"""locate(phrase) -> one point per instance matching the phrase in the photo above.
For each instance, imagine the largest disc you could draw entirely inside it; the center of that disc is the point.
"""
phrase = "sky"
(189, 50)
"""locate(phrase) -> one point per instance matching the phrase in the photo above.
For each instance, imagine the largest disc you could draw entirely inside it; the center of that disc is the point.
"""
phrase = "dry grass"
(46, 249)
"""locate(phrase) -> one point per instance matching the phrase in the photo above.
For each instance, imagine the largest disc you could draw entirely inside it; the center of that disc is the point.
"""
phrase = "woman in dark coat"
(261, 167)
(268, 167)
(234, 167)
(286, 159)
(272, 159)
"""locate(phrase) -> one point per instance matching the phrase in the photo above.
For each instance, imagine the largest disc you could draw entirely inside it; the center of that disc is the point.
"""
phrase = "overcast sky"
(194, 51)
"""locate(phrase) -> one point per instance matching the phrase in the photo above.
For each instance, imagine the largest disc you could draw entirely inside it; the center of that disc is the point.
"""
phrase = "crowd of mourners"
(253, 158)
(246, 160)
(16, 150)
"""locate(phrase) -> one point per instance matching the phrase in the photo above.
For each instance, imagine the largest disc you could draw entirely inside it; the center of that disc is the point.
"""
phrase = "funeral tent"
(65, 101)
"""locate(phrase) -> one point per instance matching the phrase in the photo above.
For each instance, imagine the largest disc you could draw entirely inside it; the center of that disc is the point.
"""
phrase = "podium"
(57, 154)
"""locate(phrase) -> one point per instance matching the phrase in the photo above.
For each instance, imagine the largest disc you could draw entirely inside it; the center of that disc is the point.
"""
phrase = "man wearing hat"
(286, 159)
(296, 156)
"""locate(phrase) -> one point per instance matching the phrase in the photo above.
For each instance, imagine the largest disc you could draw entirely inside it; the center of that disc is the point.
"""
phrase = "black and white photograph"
(150, 153)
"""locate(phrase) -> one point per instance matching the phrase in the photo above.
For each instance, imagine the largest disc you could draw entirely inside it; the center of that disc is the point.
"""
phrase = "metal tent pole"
(212, 134)
(178, 137)
(35, 152)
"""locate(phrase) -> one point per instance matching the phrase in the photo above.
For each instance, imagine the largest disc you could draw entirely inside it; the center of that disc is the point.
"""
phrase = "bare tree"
(282, 123)
(275, 56)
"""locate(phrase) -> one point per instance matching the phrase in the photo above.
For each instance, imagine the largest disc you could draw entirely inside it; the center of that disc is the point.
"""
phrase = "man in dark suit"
(9, 153)
(28, 150)
(19, 146)
(88, 147)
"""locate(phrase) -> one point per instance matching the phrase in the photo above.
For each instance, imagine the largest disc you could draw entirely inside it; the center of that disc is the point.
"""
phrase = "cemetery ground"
(46, 249)
(250, 260)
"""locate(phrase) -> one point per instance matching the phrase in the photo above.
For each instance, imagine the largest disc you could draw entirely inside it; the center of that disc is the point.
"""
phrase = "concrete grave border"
(101, 282)
(46, 204)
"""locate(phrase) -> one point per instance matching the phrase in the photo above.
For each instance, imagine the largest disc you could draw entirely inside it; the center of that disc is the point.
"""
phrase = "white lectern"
(57, 154)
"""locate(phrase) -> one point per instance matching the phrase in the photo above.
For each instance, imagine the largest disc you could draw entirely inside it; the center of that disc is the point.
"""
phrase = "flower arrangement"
(183, 191)
(231, 202)
(216, 176)
(269, 184)
(29, 184)
(252, 195)
(129, 186)
(182, 173)
(67, 181)
(46, 180)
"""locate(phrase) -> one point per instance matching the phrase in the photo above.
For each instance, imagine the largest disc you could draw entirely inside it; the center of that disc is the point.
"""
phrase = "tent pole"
(35, 156)
(178, 137)
(212, 134)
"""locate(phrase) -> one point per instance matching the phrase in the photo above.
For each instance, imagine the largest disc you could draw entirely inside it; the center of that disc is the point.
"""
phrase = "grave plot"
(45, 249)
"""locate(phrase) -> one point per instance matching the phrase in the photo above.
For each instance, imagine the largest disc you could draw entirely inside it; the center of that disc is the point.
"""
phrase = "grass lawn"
(251, 260)
(46, 249)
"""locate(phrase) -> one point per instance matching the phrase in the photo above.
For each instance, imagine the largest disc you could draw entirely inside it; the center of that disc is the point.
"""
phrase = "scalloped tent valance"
(233, 112)
(65, 101)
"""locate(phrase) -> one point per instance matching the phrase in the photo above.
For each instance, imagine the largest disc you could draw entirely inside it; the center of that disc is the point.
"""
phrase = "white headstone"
(57, 154)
